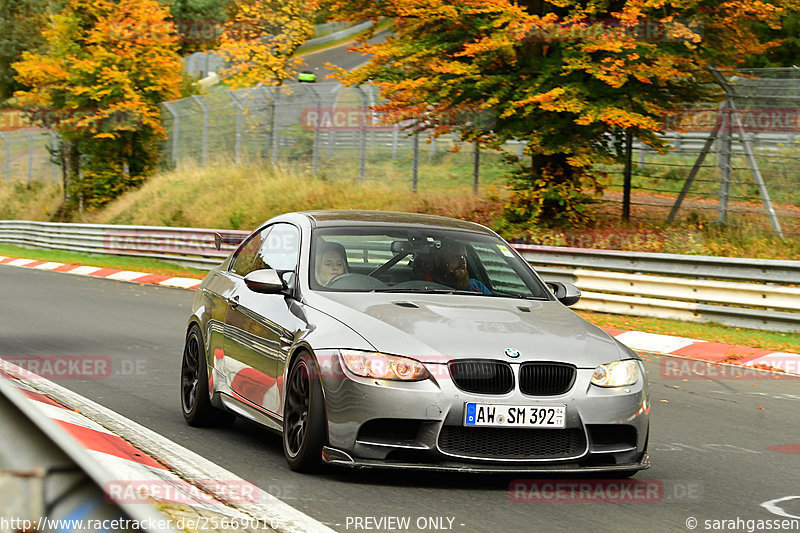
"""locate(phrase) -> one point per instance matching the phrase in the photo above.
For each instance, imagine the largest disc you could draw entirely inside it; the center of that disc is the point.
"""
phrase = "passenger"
(450, 268)
(423, 267)
(331, 262)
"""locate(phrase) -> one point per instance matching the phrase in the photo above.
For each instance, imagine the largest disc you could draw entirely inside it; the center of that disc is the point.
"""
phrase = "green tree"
(21, 23)
(787, 51)
(101, 74)
(199, 22)
(568, 77)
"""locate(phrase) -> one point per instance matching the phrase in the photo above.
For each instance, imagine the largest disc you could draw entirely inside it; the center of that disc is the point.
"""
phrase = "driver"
(450, 268)
(331, 262)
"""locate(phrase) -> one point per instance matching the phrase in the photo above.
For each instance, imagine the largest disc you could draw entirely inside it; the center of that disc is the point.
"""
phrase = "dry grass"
(241, 197)
(37, 201)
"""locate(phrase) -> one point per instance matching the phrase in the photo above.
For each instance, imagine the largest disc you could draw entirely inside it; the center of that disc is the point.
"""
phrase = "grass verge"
(122, 262)
(767, 340)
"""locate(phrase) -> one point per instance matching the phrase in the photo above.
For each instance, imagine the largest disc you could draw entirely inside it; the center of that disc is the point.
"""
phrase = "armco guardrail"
(47, 477)
(620, 282)
(695, 288)
(185, 246)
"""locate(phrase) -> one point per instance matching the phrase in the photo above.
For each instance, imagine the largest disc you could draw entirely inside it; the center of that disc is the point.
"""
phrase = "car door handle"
(234, 302)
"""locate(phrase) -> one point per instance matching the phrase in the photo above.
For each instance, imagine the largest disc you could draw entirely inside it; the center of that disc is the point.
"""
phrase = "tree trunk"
(70, 165)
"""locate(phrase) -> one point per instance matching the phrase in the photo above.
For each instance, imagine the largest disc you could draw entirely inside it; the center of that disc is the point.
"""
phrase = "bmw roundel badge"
(512, 353)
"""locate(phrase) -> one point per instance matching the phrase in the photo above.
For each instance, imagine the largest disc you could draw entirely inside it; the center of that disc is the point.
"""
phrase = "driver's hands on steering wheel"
(334, 278)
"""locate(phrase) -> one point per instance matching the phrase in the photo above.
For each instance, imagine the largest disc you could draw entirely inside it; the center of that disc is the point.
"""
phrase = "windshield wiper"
(433, 291)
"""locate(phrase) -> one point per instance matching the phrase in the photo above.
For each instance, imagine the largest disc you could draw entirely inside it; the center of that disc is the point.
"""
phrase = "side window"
(245, 257)
(280, 250)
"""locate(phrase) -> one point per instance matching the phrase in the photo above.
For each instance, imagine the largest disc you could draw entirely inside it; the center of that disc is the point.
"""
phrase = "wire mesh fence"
(322, 128)
(25, 155)
(738, 160)
(735, 159)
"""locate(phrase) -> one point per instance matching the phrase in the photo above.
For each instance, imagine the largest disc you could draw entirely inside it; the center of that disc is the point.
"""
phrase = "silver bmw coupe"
(378, 339)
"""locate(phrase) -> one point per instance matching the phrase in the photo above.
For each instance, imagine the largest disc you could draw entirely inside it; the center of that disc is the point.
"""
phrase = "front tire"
(195, 398)
(304, 417)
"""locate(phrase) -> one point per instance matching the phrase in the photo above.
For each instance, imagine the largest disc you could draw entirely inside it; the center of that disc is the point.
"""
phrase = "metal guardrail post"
(175, 130)
(204, 138)
(7, 164)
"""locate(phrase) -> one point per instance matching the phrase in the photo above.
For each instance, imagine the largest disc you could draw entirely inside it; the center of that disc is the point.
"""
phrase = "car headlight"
(616, 374)
(383, 366)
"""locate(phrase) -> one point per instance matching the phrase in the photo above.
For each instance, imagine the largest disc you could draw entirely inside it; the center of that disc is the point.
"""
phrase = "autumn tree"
(567, 77)
(105, 67)
(260, 38)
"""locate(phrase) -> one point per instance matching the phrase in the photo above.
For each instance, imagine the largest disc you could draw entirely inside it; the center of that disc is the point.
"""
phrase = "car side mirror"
(566, 293)
(265, 281)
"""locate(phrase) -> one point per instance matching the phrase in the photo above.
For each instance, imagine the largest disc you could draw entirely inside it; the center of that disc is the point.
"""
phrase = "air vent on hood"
(407, 304)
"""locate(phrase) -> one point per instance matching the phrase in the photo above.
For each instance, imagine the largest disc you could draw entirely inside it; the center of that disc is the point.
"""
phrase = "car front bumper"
(419, 425)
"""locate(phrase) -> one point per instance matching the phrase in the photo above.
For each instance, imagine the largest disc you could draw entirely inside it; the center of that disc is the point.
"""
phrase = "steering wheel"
(353, 280)
(332, 282)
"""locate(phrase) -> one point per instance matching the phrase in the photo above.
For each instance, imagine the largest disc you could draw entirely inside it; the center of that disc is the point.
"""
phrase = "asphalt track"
(337, 55)
(710, 438)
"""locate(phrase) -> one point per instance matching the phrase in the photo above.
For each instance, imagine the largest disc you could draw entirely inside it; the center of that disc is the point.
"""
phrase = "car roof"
(350, 217)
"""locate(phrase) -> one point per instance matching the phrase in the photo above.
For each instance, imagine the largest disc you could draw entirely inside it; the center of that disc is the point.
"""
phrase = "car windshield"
(419, 260)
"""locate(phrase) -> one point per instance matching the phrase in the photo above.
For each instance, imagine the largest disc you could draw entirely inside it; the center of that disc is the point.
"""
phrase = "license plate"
(525, 416)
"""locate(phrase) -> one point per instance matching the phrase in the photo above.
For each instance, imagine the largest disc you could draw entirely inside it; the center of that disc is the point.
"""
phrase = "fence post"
(175, 129)
(204, 152)
(395, 138)
(273, 131)
(362, 161)
(237, 142)
(724, 161)
(54, 147)
(315, 146)
(30, 155)
(414, 161)
(476, 165)
(7, 164)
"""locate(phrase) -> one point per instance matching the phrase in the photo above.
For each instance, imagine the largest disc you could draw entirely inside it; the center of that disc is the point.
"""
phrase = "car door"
(259, 328)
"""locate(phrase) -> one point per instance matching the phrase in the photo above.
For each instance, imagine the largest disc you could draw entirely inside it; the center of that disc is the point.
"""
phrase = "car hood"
(437, 328)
